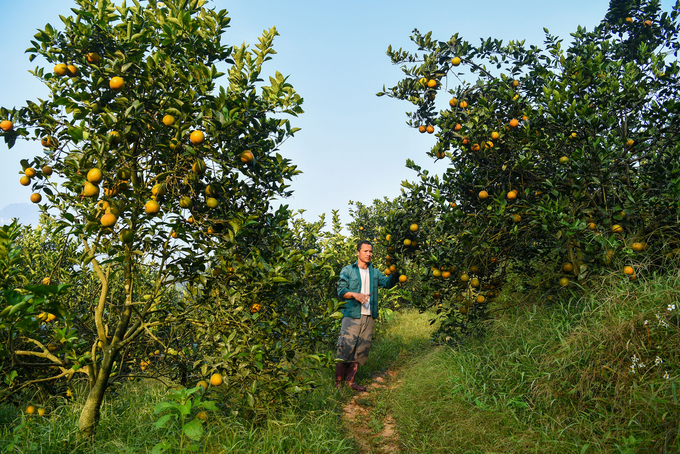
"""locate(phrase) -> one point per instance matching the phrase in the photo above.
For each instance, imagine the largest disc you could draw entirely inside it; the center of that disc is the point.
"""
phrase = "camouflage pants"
(355, 339)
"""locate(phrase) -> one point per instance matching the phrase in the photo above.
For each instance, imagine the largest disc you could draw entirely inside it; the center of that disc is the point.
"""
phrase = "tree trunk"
(89, 417)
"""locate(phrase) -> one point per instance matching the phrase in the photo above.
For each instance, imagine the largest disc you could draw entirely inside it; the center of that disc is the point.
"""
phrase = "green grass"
(546, 378)
(554, 379)
(127, 426)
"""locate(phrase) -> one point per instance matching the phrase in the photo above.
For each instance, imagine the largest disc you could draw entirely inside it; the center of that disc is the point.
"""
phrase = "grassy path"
(367, 417)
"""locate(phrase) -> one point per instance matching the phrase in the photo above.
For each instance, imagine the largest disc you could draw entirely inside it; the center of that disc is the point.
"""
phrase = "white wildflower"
(671, 307)
(658, 361)
(666, 376)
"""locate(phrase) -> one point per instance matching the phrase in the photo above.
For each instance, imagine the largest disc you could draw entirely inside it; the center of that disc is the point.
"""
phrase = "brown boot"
(351, 372)
(340, 371)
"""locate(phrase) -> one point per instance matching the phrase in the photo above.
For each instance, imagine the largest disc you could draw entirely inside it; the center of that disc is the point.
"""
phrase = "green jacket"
(350, 281)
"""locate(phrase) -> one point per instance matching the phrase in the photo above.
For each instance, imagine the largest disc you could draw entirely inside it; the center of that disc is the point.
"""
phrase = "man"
(358, 286)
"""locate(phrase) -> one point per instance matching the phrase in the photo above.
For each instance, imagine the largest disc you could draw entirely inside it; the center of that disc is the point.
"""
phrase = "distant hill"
(27, 213)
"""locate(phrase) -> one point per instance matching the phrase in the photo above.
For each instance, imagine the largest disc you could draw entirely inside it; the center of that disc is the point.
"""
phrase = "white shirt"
(365, 289)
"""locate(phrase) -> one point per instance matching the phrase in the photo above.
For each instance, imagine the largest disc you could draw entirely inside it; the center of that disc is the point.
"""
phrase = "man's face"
(365, 254)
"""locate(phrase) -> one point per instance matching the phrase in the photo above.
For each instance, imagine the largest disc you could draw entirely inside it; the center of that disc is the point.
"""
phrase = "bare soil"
(367, 419)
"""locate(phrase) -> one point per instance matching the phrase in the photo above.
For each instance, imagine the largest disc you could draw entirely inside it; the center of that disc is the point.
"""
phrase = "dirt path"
(367, 419)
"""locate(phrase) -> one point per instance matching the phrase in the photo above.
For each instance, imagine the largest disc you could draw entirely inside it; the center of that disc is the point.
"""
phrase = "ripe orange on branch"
(216, 379)
(116, 83)
(197, 137)
(6, 125)
(514, 123)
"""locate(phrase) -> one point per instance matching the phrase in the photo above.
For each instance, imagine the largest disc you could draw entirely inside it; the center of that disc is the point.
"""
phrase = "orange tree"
(263, 319)
(563, 159)
(148, 163)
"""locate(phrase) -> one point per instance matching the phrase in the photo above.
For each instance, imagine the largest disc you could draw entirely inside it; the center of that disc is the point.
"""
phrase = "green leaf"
(163, 420)
(194, 429)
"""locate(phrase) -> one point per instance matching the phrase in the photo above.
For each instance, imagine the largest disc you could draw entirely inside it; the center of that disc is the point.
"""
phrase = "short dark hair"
(361, 243)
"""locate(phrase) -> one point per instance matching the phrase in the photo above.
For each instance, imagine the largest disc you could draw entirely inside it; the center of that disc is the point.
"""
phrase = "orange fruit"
(95, 176)
(6, 125)
(431, 83)
(457, 127)
(637, 247)
(413, 228)
(616, 228)
(475, 147)
(592, 226)
(455, 61)
(463, 310)
(203, 384)
(516, 218)
(72, 70)
(464, 277)
(108, 220)
(422, 128)
(256, 307)
(630, 143)
(463, 104)
(216, 379)
(36, 198)
(495, 136)
(127, 236)
(30, 409)
(436, 273)
(93, 57)
(483, 194)
(430, 129)
(159, 189)
(198, 167)
(403, 278)
(46, 281)
(567, 267)
(514, 123)
(512, 195)
(515, 83)
(407, 242)
(30, 172)
(47, 170)
(564, 160)
(197, 137)
(24, 180)
(90, 190)
(628, 270)
(648, 23)
(60, 69)
(212, 202)
(629, 20)
(247, 157)
(168, 120)
(152, 207)
(116, 83)
(524, 118)
(480, 299)
(453, 102)
(466, 141)
(564, 282)
(474, 269)
(185, 202)
(474, 282)
(115, 137)
(446, 274)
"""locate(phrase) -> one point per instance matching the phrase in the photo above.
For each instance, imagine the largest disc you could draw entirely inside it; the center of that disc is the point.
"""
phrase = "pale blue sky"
(353, 145)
